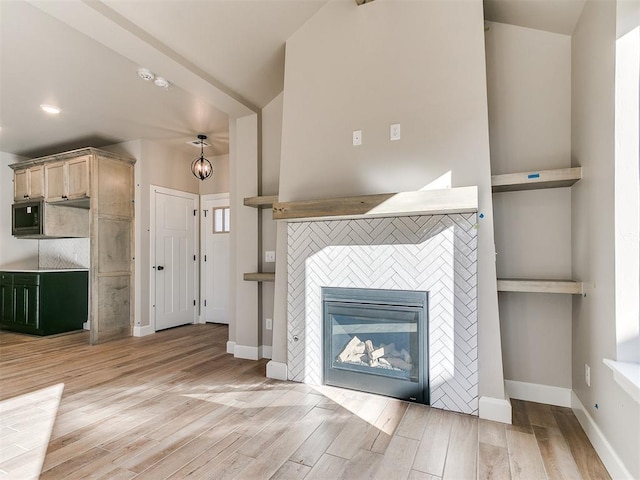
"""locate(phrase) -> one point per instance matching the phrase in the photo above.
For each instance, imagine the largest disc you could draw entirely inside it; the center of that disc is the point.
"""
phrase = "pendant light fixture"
(201, 167)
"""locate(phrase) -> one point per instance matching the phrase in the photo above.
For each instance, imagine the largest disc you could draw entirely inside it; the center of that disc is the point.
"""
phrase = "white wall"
(270, 176)
(219, 180)
(594, 317)
(529, 91)
(243, 328)
(421, 64)
(14, 252)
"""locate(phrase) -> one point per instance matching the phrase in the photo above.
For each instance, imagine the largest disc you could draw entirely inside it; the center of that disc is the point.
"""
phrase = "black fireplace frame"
(378, 302)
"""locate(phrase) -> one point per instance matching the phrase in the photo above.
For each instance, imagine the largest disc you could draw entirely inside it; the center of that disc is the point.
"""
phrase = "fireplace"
(428, 253)
(376, 341)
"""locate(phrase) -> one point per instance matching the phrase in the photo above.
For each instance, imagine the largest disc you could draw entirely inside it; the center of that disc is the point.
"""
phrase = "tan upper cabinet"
(21, 184)
(36, 176)
(54, 175)
(78, 178)
(67, 180)
(28, 183)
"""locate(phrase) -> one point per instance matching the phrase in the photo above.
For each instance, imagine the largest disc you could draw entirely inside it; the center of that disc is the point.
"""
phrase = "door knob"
(160, 267)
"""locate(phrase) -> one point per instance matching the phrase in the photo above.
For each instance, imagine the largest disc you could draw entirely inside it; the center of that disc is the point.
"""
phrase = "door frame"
(153, 189)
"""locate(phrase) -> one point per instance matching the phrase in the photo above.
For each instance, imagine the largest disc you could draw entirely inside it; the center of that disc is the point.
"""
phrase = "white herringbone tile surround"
(433, 253)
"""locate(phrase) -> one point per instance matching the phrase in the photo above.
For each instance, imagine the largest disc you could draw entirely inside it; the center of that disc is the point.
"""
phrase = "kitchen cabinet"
(102, 184)
(43, 302)
(67, 180)
(28, 183)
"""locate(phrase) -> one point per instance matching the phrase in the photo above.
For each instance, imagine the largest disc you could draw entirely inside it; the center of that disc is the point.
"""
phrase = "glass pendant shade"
(201, 167)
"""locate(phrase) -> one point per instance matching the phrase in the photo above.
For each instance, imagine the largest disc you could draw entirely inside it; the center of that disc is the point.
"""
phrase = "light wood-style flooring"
(176, 405)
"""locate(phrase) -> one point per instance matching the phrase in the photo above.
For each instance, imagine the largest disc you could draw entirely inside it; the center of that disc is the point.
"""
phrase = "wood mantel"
(427, 202)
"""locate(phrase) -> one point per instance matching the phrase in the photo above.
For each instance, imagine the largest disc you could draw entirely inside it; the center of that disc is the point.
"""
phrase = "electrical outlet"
(394, 132)
(269, 256)
(587, 374)
(268, 323)
(357, 137)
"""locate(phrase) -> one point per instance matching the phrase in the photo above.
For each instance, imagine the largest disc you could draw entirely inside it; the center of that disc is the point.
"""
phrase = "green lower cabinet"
(26, 305)
(6, 301)
(43, 303)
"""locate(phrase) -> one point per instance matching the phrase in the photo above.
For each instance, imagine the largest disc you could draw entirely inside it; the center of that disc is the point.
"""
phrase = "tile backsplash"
(63, 253)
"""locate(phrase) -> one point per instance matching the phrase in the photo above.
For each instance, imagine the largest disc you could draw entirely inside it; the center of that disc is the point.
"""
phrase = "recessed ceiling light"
(52, 109)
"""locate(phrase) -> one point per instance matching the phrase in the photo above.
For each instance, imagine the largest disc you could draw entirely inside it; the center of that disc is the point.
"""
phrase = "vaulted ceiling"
(224, 58)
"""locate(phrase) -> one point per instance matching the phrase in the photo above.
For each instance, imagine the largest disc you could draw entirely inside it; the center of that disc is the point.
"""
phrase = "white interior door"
(215, 258)
(174, 257)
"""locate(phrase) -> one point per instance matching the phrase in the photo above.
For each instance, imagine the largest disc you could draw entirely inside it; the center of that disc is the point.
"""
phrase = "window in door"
(220, 219)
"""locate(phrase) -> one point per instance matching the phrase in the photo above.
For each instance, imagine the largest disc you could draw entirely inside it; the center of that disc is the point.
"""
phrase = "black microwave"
(27, 218)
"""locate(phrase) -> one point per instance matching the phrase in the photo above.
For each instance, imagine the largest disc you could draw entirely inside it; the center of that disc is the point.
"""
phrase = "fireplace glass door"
(375, 341)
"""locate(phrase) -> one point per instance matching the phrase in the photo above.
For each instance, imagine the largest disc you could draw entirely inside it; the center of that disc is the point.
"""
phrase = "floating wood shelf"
(261, 202)
(427, 202)
(260, 277)
(540, 286)
(561, 177)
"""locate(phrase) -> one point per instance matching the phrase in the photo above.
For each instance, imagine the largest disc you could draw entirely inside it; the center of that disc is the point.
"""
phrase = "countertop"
(42, 270)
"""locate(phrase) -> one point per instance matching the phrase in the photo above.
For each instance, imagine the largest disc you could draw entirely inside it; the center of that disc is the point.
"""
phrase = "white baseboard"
(277, 370)
(231, 346)
(143, 331)
(246, 352)
(496, 409)
(265, 351)
(607, 454)
(533, 392)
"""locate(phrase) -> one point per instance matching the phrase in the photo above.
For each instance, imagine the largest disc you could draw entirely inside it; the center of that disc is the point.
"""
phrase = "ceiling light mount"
(201, 167)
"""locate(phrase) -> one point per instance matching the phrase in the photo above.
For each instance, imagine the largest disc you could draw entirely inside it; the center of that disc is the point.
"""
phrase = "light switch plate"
(269, 256)
(357, 138)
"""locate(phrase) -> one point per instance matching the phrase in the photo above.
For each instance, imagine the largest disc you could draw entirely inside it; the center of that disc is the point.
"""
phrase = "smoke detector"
(146, 74)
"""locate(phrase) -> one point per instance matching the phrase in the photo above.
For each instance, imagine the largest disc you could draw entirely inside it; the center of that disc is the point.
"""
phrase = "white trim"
(153, 189)
(231, 346)
(605, 451)
(627, 375)
(137, 237)
(143, 331)
(265, 351)
(277, 370)
(246, 352)
(496, 409)
(534, 392)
